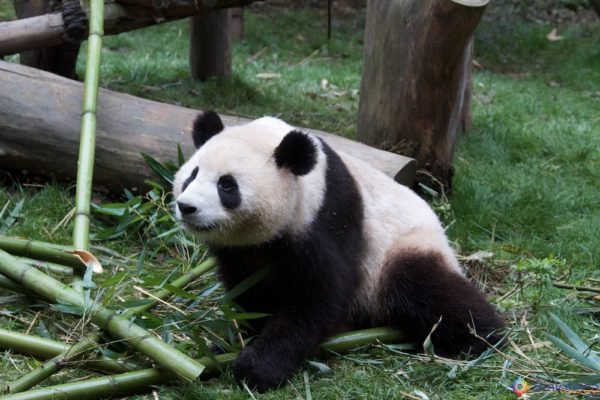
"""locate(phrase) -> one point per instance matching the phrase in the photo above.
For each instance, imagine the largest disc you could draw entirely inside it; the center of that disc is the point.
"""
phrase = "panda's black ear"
(206, 125)
(297, 152)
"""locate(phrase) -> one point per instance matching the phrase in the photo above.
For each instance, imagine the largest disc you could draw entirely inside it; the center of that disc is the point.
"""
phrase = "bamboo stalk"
(113, 385)
(9, 284)
(76, 351)
(48, 348)
(141, 380)
(63, 255)
(30, 344)
(118, 326)
(87, 141)
(48, 267)
(578, 288)
(97, 387)
(344, 341)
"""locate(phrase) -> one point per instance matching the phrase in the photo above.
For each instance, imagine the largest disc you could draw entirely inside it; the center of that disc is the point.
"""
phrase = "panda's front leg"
(289, 337)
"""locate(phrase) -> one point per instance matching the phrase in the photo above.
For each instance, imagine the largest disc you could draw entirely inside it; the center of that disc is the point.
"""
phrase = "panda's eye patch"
(227, 183)
(189, 180)
(229, 192)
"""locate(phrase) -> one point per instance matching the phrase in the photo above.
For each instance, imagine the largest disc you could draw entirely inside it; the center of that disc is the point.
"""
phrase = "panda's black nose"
(185, 208)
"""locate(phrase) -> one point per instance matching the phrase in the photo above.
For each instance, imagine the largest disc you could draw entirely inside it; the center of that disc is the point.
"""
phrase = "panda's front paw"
(260, 372)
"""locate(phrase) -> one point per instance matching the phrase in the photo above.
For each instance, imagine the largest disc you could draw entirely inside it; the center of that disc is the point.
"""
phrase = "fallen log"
(123, 16)
(39, 132)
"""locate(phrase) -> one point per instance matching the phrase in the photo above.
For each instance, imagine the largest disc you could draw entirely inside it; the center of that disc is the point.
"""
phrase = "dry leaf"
(553, 37)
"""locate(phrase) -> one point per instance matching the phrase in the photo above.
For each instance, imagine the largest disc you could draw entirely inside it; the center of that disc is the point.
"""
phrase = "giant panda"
(346, 247)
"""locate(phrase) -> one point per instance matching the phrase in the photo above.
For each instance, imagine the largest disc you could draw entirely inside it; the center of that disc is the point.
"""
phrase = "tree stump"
(210, 44)
(416, 82)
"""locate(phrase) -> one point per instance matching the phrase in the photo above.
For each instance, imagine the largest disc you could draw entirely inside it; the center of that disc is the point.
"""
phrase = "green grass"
(527, 188)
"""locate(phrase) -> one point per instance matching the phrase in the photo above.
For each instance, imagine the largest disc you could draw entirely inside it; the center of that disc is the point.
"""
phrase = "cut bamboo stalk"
(344, 341)
(48, 348)
(64, 255)
(118, 326)
(78, 350)
(141, 380)
(48, 268)
(9, 284)
(87, 141)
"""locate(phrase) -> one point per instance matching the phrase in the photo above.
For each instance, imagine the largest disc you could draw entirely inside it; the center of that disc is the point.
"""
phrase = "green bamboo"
(52, 366)
(50, 252)
(48, 267)
(29, 344)
(48, 348)
(178, 283)
(9, 284)
(344, 341)
(87, 143)
(97, 387)
(130, 382)
(141, 380)
(118, 326)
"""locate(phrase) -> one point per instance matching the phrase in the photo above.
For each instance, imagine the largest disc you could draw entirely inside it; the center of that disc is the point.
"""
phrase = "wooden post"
(40, 121)
(210, 44)
(415, 84)
(237, 24)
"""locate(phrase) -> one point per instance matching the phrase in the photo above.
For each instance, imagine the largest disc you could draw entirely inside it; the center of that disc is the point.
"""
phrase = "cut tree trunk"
(40, 123)
(124, 16)
(415, 87)
(210, 44)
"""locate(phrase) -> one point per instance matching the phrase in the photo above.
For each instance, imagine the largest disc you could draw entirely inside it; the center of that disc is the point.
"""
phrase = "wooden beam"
(40, 120)
(43, 31)
(122, 16)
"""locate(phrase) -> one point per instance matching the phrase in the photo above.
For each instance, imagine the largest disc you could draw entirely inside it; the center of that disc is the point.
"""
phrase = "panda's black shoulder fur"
(312, 279)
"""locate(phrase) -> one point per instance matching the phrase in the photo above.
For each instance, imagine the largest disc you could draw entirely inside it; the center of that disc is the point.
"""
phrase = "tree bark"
(210, 44)
(40, 122)
(415, 84)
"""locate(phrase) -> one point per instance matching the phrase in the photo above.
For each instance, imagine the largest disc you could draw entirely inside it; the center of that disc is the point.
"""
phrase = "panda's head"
(247, 184)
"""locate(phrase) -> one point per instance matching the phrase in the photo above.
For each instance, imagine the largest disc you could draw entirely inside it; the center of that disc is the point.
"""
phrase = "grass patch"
(527, 189)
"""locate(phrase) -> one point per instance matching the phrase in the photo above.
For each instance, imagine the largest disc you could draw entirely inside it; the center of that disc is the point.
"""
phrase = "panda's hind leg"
(418, 288)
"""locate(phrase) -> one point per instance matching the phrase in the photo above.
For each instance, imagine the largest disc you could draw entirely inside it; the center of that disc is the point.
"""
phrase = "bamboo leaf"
(575, 340)
(573, 353)
(68, 309)
(160, 169)
(180, 157)
(320, 367)
(11, 218)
